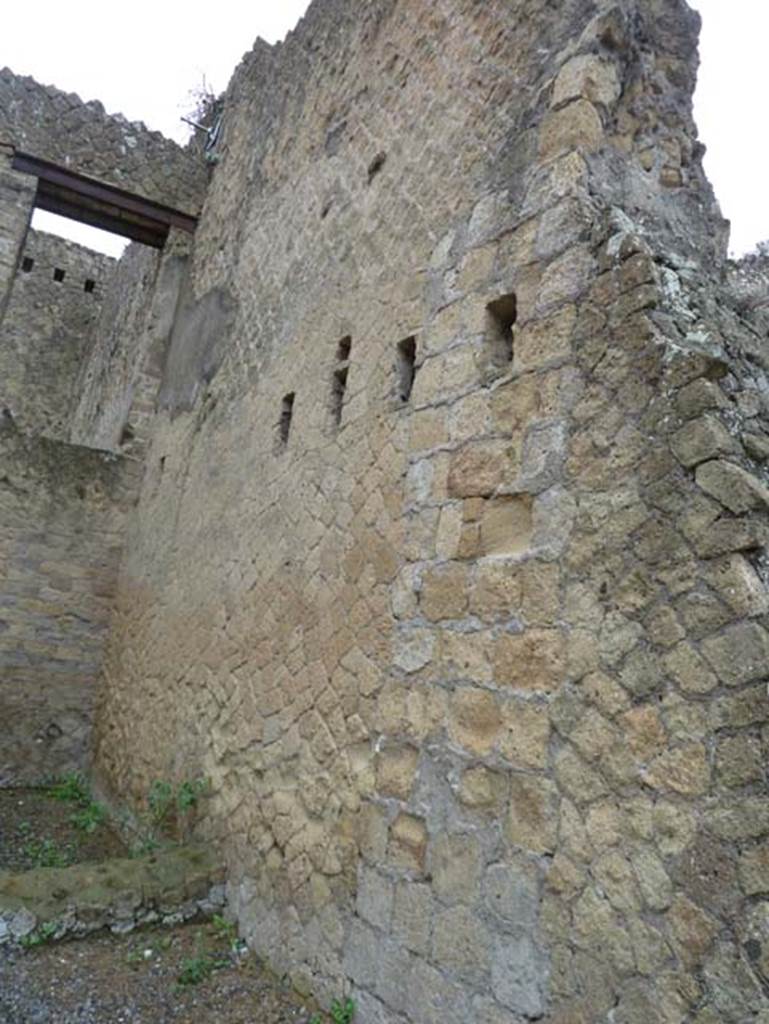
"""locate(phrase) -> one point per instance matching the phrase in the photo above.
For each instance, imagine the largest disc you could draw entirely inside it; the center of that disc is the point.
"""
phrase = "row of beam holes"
(58, 274)
(406, 352)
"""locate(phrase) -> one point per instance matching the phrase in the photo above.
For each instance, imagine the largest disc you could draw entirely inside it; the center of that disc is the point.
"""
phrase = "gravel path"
(134, 979)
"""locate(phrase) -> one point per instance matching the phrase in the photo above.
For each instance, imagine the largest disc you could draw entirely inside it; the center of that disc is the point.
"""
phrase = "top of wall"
(49, 124)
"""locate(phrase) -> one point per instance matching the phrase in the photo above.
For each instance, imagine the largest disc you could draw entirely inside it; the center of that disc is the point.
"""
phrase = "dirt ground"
(37, 831)
(139, 979)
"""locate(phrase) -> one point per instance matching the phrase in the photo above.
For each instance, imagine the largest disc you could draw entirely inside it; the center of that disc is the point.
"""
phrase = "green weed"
(342, 1012)
(40, 936)
(89, 817)
(45, 853)
(72, 787)
(196, 969)
(226, 931)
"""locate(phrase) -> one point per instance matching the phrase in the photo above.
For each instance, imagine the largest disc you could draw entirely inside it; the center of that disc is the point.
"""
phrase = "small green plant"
(40, 936)
(89, 817)
(342, 1012)
(70, 787)
(189, 792)
(198, 968)
(225, 931)
(168, 808)
(45, 853)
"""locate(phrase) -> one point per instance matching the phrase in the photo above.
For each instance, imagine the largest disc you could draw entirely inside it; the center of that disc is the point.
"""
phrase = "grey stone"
(519, 975)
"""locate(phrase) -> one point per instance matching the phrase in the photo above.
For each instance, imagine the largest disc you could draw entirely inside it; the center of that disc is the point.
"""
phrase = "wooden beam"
(62, 191)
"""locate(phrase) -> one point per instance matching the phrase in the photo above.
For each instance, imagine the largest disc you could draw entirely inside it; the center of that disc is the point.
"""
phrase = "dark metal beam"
(104, 206)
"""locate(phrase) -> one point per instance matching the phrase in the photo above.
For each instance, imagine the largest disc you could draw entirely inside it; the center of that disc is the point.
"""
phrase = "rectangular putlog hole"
(343, 349)
(338, 389)
(406, 367)
(501, 314)
(286, 415)
(27, 264)
(58, 274)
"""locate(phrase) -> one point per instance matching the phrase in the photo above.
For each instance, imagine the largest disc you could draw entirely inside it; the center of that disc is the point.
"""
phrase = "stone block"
(512, 893)
(533, 660)
(683, 769)
(532, 821)
(456, 863)
(733, 486)
(443, 594)
(479, 468)
(737, 583)
(753, 870)
(740, 654)
(575, 126)
(412, 919)
(587, 77)
(434, 999)
(689, 669)
(407, 846)
(519, 975)
(496, 591)
(526, 734)
(540, 343)
(700, 440)
(396, 772)
(475, 720)
(374, 902)
(483, 790)
(461, 944)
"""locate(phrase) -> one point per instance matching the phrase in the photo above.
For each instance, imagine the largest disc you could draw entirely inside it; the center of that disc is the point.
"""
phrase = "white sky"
(144, 63)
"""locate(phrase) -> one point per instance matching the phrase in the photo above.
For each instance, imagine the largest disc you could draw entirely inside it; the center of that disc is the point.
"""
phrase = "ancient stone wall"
(52, 125)
(45, 333)
(118, 382)
(62, 512)
(449, 566)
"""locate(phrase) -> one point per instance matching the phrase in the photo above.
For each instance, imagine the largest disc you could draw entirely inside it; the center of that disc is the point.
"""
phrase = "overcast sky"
(143, 60)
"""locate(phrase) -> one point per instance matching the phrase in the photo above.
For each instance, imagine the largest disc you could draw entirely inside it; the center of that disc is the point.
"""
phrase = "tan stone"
(575, 126)
(542, 342)
(693, 930)
(506, 526)
(526, 733)
(733, 486)
(644, 732)
(407, 845)
(479, 468)
(533, 660)
(396, 771)
(444, 592)
(589, 77)
(689, 669)
(753, 868)
(684, 769)
(475, 720)
(702, 439)
(483, 789)
(496, 591)
(735, 580)
(532, 821)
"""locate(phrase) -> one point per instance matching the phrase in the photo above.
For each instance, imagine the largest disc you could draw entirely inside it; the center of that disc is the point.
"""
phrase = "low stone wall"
(168, 887)
(61, 517)
(44, 336)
